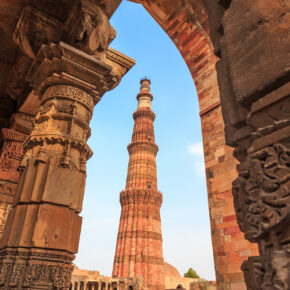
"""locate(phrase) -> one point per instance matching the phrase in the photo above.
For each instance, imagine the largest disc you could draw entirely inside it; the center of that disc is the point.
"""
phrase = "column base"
(22, 268)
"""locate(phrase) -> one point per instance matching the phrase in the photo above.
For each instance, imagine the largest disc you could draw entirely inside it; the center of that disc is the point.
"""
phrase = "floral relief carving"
(4, 271)
(261, 192)
(58, 275)
(71, 93)
(16, 275)
(12, 151)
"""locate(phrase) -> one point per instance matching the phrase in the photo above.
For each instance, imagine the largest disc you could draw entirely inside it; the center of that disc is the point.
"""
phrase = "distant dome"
(170, 271)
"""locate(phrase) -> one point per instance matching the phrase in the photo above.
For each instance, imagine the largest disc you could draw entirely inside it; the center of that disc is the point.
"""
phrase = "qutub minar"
(139, 243)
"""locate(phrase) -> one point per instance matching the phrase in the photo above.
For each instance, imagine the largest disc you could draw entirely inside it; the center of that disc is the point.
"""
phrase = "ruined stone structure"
(92, 280)
(173, 280)
(55, 64)
(139, 250)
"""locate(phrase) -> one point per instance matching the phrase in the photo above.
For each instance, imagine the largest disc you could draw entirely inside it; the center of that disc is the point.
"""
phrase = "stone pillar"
(10, 157)
(43, 228)
(252, 41)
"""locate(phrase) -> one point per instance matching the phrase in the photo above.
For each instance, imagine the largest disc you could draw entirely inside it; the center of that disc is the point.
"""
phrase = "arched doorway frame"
(187, 25)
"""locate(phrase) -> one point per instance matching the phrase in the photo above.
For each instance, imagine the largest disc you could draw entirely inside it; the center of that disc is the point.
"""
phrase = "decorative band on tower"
(139, 250)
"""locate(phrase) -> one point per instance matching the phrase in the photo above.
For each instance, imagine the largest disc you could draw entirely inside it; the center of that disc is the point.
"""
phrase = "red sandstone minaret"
(139, 242)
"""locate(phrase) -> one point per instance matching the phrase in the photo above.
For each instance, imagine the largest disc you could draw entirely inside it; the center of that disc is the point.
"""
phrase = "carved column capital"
(62, 64)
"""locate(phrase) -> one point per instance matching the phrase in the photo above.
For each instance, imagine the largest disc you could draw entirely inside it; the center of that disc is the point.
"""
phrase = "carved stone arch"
(254, 86)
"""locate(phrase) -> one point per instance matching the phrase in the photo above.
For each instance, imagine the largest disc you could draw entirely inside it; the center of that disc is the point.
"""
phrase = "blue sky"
(180, 169)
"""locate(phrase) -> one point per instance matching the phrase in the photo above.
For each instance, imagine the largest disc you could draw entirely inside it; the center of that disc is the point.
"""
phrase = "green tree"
(191, 274)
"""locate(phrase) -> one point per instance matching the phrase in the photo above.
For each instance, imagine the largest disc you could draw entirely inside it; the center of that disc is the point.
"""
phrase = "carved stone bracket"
(262, 191)
(35, 28)
(88, 27)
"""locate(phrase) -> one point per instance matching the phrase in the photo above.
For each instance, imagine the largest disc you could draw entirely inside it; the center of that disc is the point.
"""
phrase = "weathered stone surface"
(233, 113)
(255, 65)
(256, 44)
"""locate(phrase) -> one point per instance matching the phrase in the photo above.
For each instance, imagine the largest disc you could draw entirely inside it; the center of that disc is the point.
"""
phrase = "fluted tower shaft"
(139, 242)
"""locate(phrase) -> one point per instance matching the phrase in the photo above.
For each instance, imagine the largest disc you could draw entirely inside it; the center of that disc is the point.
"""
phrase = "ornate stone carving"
(70, 93)
(262, 191)
(89, 28)
(142, 145)
(5, 269)
(12, 150)
(93, 32)
(17, 272)
(117, 57)
(35, 28)
(140, 196)
(57, 276)
(63, 65)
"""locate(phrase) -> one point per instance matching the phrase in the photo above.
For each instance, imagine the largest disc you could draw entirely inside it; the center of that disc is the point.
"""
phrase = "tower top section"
(144, 97)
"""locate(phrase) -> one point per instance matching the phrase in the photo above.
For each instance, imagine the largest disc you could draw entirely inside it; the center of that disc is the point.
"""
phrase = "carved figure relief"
(94, 33)
(59, 276)
(89, 28)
